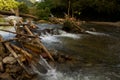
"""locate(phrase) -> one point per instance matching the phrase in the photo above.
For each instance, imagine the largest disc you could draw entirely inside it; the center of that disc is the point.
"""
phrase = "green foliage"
(44, 4)
(43, 13)
(23, 8)
(27, 2)
(81, 7)
(8, 4)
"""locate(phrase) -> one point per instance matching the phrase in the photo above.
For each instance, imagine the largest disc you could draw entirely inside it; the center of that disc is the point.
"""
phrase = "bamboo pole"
(38, 41)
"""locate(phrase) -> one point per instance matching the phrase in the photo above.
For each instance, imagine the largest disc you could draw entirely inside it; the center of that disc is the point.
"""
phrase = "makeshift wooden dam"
(26, 47)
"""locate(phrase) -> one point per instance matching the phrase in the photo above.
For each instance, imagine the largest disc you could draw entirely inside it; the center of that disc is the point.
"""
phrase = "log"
(30, 36)
(32, 47)
(26, 54)
(77, 27)
(8, 40)
(21, 14)
(5, 24)
(38, 41)
(7, 44)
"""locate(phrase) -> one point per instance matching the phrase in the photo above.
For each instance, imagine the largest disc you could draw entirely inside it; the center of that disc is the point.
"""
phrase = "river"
(97, 52)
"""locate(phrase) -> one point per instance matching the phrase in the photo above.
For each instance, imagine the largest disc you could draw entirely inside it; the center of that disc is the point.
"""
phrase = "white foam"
(49, 39)
(7, 35)
(70, 35)
(51, 72)
(96, 33)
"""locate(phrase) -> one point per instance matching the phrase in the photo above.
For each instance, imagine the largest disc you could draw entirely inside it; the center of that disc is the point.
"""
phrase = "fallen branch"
(26, 54)
(8, 40)
(38, 41)
(30, 36)
(7, 44)
(32, 47)
(21, 14)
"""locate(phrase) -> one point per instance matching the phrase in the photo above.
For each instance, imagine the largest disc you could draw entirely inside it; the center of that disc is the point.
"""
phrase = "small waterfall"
(44, 70)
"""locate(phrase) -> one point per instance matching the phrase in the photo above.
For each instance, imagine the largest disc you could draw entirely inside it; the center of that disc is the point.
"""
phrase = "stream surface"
(98, 52)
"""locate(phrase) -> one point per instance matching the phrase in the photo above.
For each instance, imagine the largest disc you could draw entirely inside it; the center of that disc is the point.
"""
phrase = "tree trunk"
(16, 11)
(69, 4)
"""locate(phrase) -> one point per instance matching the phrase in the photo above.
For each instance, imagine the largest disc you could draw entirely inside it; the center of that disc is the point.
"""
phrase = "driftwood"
(77, 27)
(7, 44)
(3, 41)
(5, 24)
(32, 47)
(30, 36)
(21, 14)
(38, 41)
(25, 53)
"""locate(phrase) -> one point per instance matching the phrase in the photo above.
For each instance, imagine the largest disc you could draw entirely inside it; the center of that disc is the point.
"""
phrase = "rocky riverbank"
(117, 24)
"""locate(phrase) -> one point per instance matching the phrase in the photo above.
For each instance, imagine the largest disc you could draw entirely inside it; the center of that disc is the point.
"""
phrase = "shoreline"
(116, 24)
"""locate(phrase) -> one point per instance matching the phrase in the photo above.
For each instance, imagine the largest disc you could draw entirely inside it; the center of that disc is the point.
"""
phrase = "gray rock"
(9, 60)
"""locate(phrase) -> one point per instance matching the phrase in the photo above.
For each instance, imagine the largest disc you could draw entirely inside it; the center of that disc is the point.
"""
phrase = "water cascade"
(94, 48)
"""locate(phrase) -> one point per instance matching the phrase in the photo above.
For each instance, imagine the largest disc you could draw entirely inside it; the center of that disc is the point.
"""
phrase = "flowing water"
(97, 52)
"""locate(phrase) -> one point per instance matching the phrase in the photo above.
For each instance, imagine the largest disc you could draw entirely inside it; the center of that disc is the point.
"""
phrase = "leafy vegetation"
(8, 4)
(107, 9)
(23, 8)
(81, 9)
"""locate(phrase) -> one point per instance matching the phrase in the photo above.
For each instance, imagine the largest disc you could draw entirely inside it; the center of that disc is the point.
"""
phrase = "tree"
(8, 4)
(23, 8)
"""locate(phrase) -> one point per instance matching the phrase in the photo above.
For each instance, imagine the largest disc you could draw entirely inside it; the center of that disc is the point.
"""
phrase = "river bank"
(117, 24)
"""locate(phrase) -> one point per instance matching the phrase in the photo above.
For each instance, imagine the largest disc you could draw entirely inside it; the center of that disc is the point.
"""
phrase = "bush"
(23, 8)
(43, 13)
